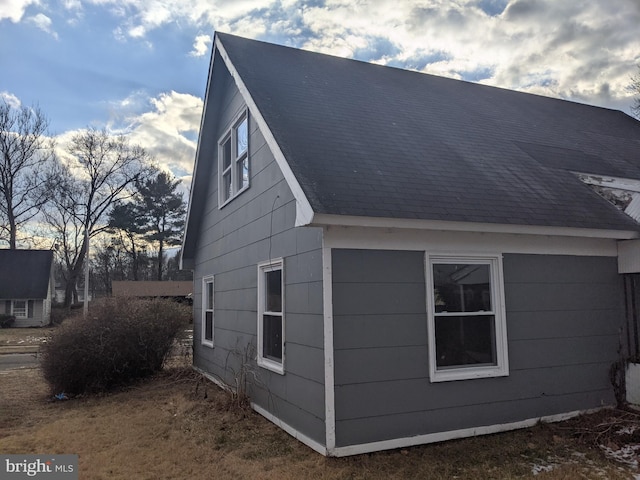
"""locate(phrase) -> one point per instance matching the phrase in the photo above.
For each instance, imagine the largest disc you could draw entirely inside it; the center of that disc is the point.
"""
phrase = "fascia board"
(304, 211)
(326, 220)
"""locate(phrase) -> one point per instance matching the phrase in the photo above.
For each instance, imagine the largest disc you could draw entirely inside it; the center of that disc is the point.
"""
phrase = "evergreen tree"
(162, 213)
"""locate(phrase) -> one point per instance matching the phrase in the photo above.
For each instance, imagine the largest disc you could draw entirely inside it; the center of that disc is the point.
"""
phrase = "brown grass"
(24, 336)
(178, 425)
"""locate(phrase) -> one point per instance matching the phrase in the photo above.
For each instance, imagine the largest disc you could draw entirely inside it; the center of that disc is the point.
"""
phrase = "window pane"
(226, 185)
(468, 340)
(274, 291)
(272, 337)
(19, 308)
(208, 326)
(226, 155)
(241, 138)
(462, 288)
(243, 173)
(209, 300)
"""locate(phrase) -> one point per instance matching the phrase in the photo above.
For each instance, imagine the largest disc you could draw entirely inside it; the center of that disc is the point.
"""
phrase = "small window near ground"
(271, 315)
(234, 160)
(207, 311)
(467, 328)
(19, 309)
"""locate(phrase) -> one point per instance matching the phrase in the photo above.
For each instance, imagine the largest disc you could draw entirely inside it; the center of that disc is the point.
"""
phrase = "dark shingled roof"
(25, 274)
(370, 140)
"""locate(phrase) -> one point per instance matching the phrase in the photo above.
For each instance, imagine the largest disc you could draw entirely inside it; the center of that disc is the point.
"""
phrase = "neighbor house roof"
(25, 274)
(151, 288)
(365, 140)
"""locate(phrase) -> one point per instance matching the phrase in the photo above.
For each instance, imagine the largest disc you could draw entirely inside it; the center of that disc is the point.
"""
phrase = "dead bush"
(121, 340)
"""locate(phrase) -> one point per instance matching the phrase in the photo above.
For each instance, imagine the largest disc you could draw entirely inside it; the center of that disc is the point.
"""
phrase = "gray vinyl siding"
(38, 315)
(254, 227)
(563, 315)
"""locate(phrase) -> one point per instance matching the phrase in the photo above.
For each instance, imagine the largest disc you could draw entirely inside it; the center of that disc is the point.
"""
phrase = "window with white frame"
(19, 308)
(234, 160)
(467, 324)
(207, 311)
(271, 315)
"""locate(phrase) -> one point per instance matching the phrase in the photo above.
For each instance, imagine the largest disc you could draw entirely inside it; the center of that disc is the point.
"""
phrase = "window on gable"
(207, 311)
(271, 315)
(19, 309)
(467, 327)
(234, 160)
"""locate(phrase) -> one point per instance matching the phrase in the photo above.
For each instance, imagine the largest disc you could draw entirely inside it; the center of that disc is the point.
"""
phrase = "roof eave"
(327, 220)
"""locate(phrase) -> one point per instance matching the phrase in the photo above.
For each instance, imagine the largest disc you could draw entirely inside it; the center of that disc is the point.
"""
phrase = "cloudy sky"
(140, 66)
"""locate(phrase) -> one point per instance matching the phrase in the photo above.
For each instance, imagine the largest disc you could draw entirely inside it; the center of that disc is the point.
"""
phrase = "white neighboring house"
(27, 286)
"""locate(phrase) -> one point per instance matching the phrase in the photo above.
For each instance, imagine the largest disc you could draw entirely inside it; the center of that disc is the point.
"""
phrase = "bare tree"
(25, 151)
(102, 170)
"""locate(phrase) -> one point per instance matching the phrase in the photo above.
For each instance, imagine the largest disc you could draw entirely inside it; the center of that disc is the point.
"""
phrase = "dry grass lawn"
(178, 425)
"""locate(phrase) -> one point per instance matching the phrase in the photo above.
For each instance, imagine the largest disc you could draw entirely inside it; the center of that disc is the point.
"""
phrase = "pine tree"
(162, 213)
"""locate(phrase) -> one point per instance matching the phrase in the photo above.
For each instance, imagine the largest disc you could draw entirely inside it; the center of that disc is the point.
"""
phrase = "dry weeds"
(178, 425)
(24, 336)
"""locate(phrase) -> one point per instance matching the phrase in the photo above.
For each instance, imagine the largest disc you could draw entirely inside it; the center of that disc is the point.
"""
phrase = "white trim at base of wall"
(318, 447)
(453, 434)
(406, 441)
(309, 442)
(213, 379)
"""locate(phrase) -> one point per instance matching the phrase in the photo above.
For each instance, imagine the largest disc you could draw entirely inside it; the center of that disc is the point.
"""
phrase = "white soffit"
(623, 193)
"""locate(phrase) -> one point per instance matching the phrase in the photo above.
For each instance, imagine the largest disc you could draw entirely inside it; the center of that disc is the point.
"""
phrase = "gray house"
(26, 286)
(392, 258)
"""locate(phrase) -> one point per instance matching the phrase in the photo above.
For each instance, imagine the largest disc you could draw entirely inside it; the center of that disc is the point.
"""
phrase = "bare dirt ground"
(178, 425)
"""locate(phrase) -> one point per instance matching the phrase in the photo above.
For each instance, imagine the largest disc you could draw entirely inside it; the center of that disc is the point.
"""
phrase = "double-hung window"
(19, 308)
(467, 326)
(233, 155)
(271, 315)
(207, 311)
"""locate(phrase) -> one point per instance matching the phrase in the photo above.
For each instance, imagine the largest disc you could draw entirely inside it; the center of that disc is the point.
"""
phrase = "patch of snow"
(627, 454)
(536, 469)
(628, 430)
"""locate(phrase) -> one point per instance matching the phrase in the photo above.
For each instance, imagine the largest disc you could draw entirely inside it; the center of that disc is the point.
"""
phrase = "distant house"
(26, 286)
(406, 258)
(179, 290)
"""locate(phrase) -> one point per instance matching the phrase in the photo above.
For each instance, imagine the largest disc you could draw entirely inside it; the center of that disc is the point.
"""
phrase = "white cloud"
(11, 99)
(14, 9)
(44, 23)
(575, 50)
(201, 45)
(169, 131)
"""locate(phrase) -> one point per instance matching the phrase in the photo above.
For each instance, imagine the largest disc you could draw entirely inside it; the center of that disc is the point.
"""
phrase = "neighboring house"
(179, 290)
(26, 286)
(393, 258)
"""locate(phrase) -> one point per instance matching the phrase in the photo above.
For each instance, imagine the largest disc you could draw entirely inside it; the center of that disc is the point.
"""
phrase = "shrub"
(59, 314)
(6, 320)
(121, 340)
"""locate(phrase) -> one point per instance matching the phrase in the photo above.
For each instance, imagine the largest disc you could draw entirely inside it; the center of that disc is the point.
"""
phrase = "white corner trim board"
(329, 372)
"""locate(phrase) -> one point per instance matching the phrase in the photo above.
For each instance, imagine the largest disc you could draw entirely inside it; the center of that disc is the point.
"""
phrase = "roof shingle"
(25, 274)
(370, 140)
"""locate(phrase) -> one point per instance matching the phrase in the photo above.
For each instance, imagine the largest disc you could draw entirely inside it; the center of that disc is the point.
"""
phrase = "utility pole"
(86, 274)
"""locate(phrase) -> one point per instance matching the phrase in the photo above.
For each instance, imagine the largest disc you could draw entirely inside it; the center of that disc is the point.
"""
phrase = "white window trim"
(26, 308)
(231, 135)
(264, 267)
(209, 343)
(501, 368)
